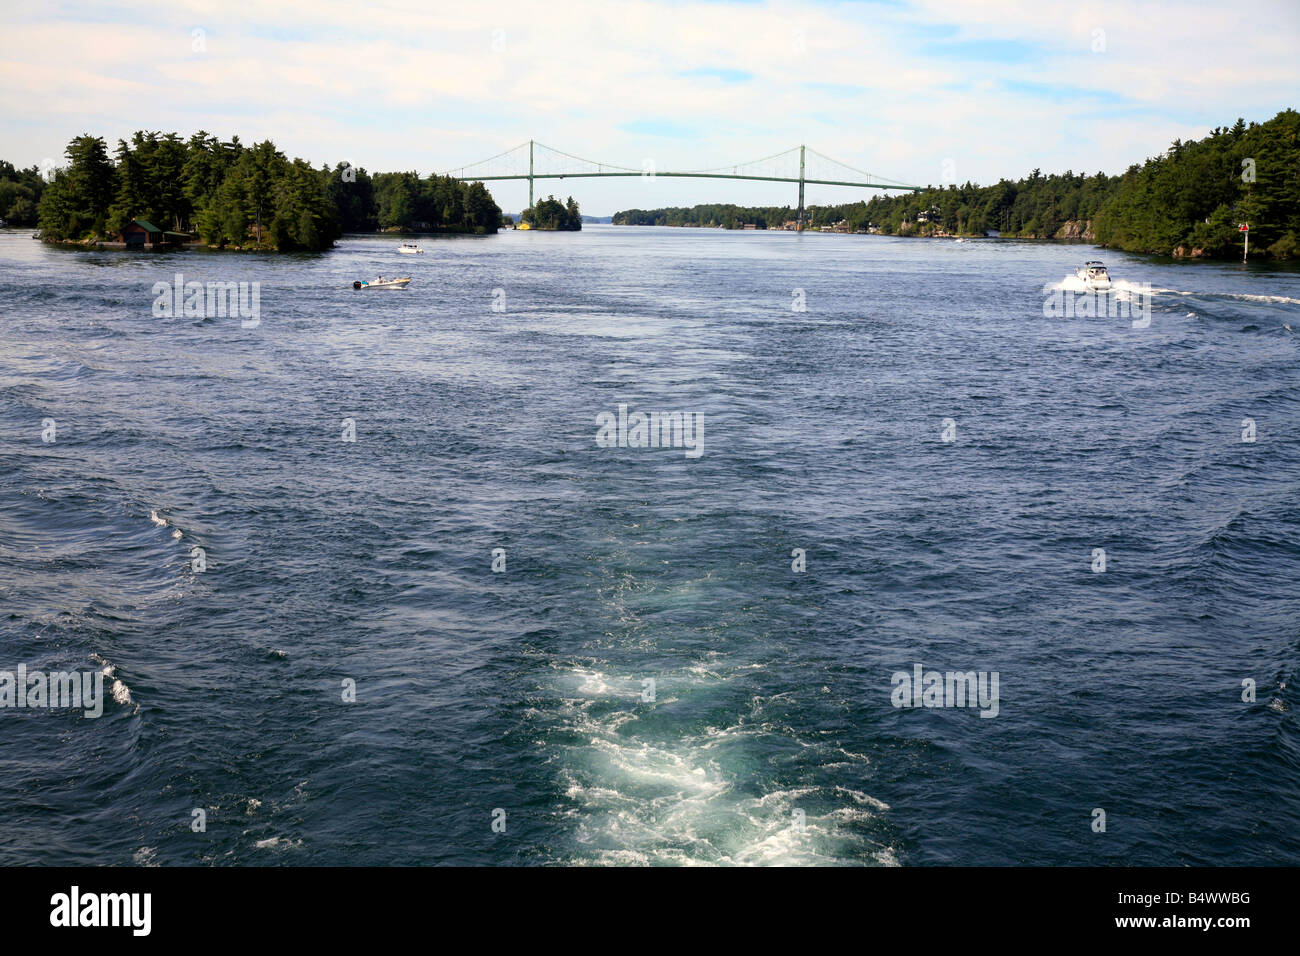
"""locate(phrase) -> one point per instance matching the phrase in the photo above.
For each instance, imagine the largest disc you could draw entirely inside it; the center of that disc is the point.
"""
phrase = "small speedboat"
(381, 283)
(1094, 276)
(410, 249)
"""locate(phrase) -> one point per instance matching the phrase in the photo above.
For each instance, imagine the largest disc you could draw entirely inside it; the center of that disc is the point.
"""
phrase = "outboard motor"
(356, 284)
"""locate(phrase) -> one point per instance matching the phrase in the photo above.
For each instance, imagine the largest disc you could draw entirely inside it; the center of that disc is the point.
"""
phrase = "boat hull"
(386, 284)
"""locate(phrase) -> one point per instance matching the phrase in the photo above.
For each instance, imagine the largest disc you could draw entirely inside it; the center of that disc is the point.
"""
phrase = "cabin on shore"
(139, 233)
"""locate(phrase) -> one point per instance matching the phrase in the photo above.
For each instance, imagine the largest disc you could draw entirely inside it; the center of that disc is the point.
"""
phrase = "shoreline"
(111, 245)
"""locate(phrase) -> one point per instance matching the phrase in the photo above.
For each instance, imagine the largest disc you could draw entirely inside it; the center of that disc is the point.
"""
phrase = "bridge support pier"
(799, 221)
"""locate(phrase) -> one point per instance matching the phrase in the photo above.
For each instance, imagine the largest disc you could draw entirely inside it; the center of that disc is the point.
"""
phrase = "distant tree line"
(20, 193)
(232, 195)
(550, 213)
(707, 215)
(1035, 207)
(1188, 201)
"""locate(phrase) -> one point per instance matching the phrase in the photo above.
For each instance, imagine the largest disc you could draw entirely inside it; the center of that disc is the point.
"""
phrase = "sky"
(918, 91)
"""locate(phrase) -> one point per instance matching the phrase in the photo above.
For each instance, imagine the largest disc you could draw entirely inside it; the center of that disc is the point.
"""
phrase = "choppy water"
(524, 691)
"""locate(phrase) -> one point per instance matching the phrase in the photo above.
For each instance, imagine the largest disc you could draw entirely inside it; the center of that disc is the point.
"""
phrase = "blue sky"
(914, 91)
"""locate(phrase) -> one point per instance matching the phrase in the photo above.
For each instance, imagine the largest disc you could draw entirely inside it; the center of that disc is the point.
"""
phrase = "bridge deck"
(767, 179)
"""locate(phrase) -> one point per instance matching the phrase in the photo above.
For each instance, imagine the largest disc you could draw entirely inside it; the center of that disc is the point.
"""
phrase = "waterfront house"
(139, 233)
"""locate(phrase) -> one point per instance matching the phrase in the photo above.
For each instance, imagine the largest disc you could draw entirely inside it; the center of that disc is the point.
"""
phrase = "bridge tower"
(799, 222)
(530, 174)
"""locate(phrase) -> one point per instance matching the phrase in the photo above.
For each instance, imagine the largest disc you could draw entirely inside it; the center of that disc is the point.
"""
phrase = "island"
(162, 191)
(551, 215)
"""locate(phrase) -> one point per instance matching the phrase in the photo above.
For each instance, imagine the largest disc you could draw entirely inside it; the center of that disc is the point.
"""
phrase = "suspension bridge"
(800, 164)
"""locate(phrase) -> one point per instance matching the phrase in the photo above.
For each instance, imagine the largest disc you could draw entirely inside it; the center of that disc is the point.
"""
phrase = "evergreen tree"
(77, 204)
(232, 195)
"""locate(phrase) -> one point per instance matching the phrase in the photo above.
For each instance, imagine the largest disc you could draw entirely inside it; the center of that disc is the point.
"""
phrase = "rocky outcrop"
(1076, 229)
(1195, 252)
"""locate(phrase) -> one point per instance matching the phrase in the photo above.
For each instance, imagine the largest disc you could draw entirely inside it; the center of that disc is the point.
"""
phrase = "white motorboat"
(382, 283)
(1094, 276)
(410, 249)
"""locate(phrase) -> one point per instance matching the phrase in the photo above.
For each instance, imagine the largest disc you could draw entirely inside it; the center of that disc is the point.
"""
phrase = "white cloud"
(397, 84)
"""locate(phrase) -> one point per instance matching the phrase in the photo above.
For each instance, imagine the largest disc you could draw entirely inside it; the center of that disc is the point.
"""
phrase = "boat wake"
(640, 794)
(1075, 284)
(1237, 296)
(1207, 303)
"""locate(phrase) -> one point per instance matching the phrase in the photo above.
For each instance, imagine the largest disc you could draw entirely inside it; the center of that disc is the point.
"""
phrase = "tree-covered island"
(551, 214)
(232, 196)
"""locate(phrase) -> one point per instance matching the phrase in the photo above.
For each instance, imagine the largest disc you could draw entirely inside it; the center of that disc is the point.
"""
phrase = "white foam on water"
(162, 522)
(145, 856)
(1280, 299)
(277, 843)
(641, 799)
(121, 693)
(593, 683)
(1127, 289)
(1067, 284)
(887, 857)
(864, 798)
(1133, 287)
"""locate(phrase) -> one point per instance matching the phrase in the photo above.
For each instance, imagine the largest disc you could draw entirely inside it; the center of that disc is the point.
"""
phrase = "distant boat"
(410, 249)
(381, 283)
(3, 223)
(1094, 276)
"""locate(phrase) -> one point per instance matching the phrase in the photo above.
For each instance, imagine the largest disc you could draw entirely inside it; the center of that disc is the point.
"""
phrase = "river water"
(649, 679)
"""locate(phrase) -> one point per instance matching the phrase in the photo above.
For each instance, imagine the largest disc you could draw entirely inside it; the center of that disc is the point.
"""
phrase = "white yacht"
(410, 249)
(1094, 276)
